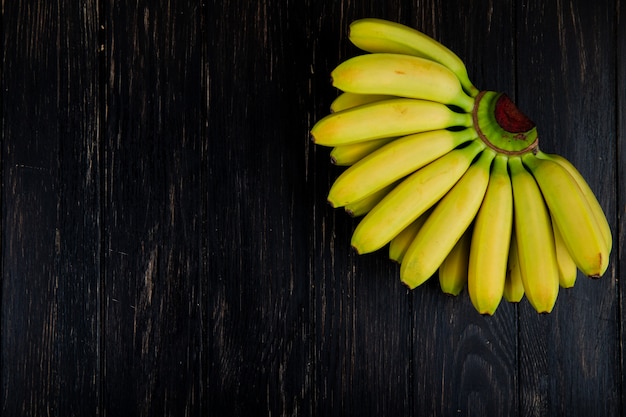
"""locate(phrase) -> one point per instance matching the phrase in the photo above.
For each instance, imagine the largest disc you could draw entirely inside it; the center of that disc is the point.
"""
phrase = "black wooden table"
(166, 245)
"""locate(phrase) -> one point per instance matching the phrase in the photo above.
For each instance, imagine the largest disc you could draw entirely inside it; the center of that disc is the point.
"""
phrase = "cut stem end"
(502, 126)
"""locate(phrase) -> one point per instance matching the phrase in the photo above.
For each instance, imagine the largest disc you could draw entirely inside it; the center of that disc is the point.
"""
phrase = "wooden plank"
(259, 211)
(619, 231)
(50, 328)
(154, 340)
(362, 360)
(464, 363)
(194, 208)
(569, 360)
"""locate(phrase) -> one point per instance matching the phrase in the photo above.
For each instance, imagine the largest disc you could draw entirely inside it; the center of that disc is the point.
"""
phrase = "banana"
(412, 197)
(453, 178)
(453, 270)
(386, 118)
(513, 285)
(399, 244)
(535, 239)
(393, 161)
(447, 223)
(567, 266)
(589, 195)
(403, 76)
(363, 206)
(346, 101)
(489, 252)
(572, 214)
(346, 155)
(377, 35)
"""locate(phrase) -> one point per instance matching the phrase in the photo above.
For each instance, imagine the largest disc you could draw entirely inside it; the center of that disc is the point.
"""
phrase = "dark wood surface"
(167, 249)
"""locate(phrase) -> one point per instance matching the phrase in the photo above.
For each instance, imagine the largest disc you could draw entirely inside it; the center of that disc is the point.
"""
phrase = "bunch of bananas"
(452, 178)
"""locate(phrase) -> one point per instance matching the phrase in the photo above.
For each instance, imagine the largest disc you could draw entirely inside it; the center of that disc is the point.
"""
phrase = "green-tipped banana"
(402, 76)
(490, 241)
(572, 214)
(447, 223)
(412, 197)
(535, 240)
(453, 270)
(380, 36)
(393, 161)
(384, 119)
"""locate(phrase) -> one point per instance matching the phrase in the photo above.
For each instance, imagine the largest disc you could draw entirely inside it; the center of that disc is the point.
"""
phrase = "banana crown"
(452, 177)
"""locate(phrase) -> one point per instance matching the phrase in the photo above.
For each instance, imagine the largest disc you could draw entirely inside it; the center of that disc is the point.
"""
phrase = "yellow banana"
(403, 76)
(363, 206)
(447, 223)
(572, 214)
(567, 266)
(490, 241)
(377, 35)
(383, 119)
(452, 178)
(346, 155)
(346, 101)
(394, 161)
(535, 240)
(589, 195)
(399, 244)
(453, 270)
(412, 197)
(513, 285)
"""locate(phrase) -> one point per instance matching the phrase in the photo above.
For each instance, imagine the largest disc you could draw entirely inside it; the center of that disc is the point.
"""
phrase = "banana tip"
(487, 313)
(409, 285)
(451, 294)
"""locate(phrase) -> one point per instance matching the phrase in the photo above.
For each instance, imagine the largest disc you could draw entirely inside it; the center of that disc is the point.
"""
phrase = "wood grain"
(51, 324)
(478, 374)
(155, 151)
(362, 311)
(619, 231)
(563, 52)
(167, 248)
(259, 211)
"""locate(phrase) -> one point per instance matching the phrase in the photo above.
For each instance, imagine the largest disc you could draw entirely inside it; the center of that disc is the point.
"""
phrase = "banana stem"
(502, 126)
